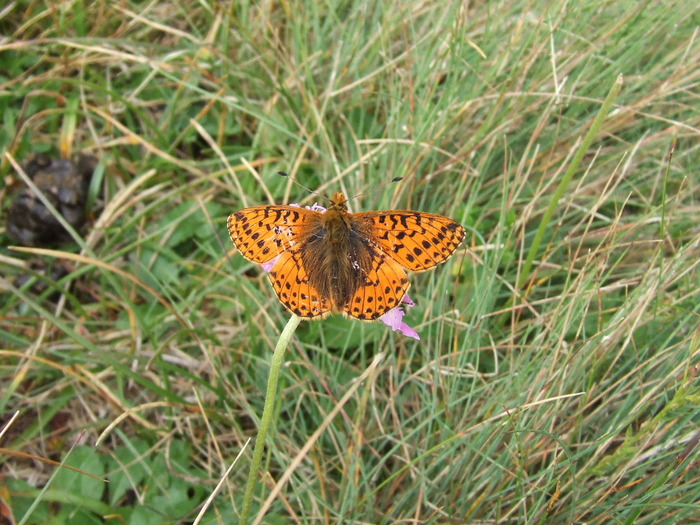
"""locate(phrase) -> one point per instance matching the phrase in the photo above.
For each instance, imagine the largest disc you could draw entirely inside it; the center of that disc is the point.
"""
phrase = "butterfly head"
(338, 202)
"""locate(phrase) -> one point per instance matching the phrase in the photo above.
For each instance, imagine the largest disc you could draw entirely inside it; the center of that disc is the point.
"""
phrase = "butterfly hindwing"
(290, 281)
(384, 285)
(416, 240)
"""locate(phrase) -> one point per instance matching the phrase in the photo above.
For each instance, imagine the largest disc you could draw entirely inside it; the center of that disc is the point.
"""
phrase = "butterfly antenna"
(371, 190)
(285, 174)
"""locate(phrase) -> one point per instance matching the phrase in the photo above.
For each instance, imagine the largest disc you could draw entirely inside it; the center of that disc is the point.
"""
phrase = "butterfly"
(334, 261)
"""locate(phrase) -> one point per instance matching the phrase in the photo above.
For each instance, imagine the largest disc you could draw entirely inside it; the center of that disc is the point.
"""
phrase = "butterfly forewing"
(261, 233)
(416, 240)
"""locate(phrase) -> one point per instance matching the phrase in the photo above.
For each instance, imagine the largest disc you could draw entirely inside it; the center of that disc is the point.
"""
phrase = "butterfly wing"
(384, 285)
(417, 241)
(291, 282)
(261, 233)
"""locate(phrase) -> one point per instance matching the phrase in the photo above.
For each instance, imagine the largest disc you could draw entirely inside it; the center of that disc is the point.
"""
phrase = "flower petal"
(409, 302)
(394, 319)
(269, 264)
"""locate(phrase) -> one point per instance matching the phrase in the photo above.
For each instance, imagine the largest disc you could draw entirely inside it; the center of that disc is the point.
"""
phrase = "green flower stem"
(268, 410)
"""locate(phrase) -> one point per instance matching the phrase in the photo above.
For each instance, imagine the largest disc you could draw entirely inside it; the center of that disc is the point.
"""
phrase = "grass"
(561, 390)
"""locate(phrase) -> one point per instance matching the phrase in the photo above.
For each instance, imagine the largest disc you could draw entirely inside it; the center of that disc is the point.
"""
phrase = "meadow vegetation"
(556, 378)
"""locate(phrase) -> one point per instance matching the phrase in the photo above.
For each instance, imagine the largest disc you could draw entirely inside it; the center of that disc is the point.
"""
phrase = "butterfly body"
(336, 261)
(332, 238)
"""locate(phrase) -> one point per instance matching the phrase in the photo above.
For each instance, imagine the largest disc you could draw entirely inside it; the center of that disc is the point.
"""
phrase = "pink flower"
(394, 319)
(269, 264)
(314, 207)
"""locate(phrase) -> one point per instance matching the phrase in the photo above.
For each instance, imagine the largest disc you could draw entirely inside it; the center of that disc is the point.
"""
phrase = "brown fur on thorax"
(338, 255)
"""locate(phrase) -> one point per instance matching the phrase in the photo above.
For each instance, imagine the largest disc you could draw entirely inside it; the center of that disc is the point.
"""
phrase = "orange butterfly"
(336, 261)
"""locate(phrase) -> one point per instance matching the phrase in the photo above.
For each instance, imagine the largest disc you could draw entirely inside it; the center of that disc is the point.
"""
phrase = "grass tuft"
(555, 381)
